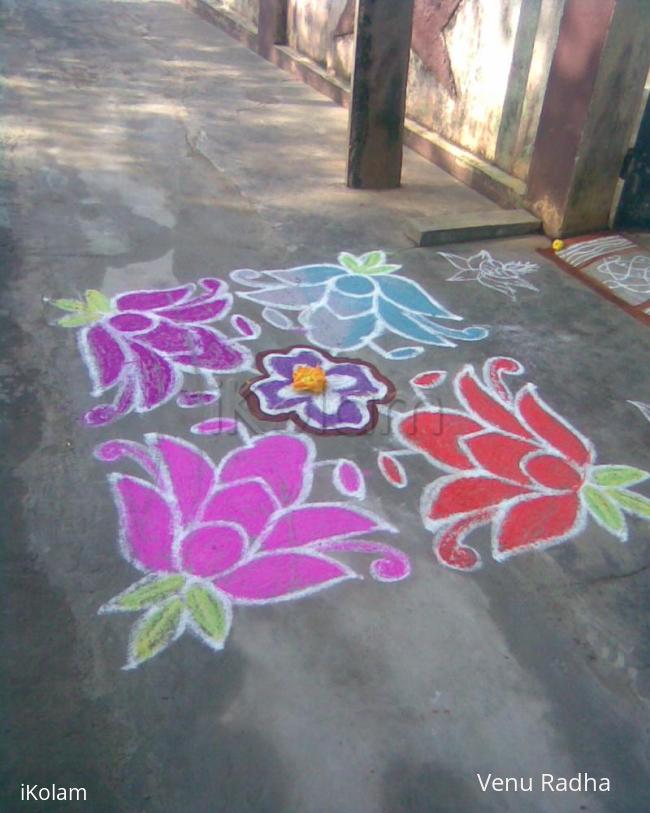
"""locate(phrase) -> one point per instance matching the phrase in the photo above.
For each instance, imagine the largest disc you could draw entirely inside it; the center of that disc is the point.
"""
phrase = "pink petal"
(169, 338)
(281, 576)
(349, 480)
(191, 475)
(107, 359)
(552, 428)
(146, 522)
(536, 522)
(130, 322)
(107, 413)
(192, 313)
(248, 504)
(313, 523)
(215, 426)
(157, 379)
(281, 461)
(212, 351)
(150, 300)
(211, 549)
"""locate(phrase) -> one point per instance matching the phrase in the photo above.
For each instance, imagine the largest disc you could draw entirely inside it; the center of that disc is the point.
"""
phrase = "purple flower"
(344, 403)
(141, 343)
(209, 538)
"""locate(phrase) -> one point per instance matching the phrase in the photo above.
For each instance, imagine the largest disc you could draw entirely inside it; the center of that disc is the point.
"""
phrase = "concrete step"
(457, 227)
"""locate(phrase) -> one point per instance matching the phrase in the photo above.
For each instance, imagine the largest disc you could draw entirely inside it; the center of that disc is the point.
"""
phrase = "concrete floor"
(144, 148)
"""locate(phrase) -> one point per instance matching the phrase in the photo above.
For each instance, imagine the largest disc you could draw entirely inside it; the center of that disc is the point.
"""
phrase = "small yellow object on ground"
(557, 245)
(309, 379)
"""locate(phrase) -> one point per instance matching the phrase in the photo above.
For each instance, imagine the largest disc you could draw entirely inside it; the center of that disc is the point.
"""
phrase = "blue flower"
(350, 305)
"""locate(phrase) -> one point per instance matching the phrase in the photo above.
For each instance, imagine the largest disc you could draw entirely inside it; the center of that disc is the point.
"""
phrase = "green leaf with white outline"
(617, 476)
(96, 302)
(77, 320)
(631, 502)
(68, 304)
(373, 262)
(210, 614)
(606, 513)
(144, 594)
(155, 631)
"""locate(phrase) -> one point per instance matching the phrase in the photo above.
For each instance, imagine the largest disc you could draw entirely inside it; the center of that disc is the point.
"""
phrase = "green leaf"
(77, 320)
(349, 261)
(372, 259)
(633, 503)
(380, 269)
(616, 476)
(154, 632)
(68, 304)
(606, 513)
(210, 614)
(96, 302)
(144, 594)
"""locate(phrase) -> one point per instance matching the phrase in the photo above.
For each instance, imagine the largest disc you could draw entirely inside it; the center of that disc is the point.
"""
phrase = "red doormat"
(613, 265)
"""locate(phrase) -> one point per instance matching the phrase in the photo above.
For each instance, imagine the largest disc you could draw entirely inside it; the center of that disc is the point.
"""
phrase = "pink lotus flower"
(514, 465)
(141, 343)
(211, 537)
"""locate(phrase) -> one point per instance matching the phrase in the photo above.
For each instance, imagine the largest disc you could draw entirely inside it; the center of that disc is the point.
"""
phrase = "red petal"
(461, 495)
(500, 454)
(479, 401)
(429, 379)
(553, 429)
(392, 470)
(450, 549)
(436, 433)
(553, 472)
(537, 521)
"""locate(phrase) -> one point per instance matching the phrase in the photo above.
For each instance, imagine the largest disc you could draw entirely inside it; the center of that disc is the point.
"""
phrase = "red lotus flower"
(514, 463)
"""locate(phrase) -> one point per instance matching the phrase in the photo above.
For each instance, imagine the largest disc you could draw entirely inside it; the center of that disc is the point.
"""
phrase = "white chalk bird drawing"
(504, 277)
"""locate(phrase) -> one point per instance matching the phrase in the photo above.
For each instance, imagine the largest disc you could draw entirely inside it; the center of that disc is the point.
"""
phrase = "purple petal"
(284, 365)
(211, 549)
(107, 413)
(157, 379)
(281, 461)
(146, 524)
(247, 504)
(150, 300)
(281, 576)
(191, 475)
(213, 352)
(315, 523)
(364, 383)
(130, 322)
(268, 393)
(107, 359)
(189, 400)
(347, 416)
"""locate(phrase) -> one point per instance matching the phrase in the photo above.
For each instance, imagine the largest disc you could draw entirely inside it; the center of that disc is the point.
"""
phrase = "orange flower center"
(309, 379)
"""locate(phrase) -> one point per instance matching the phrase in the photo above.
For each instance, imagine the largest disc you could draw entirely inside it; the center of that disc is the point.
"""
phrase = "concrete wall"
(248, 9)
(499, 54)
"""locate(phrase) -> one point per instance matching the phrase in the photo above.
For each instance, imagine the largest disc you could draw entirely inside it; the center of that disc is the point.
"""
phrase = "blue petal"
(348, 306)
(327, 330)
(308, 274)
(408, 294)
(355, 285)
(428, 332)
